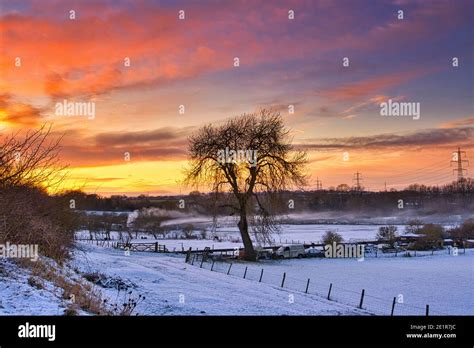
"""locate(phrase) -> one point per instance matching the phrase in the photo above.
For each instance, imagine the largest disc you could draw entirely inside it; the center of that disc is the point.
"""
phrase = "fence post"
(307, 286)
(261, 275)
(283, 280)
(202, 260)
(427, 310)
(228, 271)
(194, 256)
(361, 298)
(393, 305)
(245, 272)
(156, 247)
(329, 292)
(212, 267)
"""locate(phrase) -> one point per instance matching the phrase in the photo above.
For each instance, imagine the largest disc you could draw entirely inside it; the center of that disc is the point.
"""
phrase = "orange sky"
(283, 62)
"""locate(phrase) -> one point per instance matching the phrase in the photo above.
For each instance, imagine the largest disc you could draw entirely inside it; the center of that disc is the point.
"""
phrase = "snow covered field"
(444, 282)
(172, 287)
(230, 236)
(313, 233)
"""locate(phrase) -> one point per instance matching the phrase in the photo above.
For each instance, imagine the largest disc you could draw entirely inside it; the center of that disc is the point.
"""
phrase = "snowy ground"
(443, 281)
(172, 287)
(229, 236)
(17, 297)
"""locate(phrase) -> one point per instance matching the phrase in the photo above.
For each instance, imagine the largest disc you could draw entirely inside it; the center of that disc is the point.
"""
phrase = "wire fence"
(357, 298)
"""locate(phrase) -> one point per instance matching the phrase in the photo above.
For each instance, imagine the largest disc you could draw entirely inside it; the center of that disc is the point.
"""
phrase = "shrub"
(432, 237)
(388, 234)
(188, 231)
(332, 237)
(70, 311)
(414, 226)
(463, 232)
(35, 282)
(30, 216)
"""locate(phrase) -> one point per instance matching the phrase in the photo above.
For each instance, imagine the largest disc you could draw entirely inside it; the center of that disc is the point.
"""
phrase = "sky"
(138, 63)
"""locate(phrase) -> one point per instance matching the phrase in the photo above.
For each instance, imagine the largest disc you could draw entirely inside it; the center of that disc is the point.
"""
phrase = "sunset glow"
(155, 78)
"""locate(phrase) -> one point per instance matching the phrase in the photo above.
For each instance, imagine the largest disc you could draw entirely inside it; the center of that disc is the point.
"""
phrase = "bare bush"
(188, 230)
(29, 167)
(331, 237)
(388, 234)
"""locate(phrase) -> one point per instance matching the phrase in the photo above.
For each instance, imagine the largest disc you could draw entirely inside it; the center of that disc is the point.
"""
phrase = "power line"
(431, 167)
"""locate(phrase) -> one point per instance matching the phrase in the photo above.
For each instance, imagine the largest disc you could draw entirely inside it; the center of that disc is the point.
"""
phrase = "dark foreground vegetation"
(29, 166)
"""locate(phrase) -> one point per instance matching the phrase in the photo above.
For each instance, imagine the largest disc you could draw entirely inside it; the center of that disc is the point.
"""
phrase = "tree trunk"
(250, 254)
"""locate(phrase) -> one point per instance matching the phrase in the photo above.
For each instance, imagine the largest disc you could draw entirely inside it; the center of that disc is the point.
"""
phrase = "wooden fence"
(150, 247)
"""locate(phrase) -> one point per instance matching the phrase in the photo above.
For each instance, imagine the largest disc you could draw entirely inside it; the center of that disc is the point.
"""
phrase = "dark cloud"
(428, 137)
(121, 139)
(109, 148)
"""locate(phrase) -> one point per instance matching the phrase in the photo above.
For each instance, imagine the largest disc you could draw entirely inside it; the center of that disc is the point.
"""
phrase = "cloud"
(110, 147)
(422, 138)
(468, 121)
(168, 134)
(370, 87)
(89, 180)
(14, 113)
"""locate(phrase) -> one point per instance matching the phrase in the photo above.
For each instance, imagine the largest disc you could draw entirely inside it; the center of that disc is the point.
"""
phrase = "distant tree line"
(454, 197)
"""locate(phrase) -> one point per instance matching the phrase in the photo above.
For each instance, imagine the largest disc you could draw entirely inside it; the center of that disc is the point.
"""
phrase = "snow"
(17, 297)
(165, 279)
(296, 234)
(443, 281)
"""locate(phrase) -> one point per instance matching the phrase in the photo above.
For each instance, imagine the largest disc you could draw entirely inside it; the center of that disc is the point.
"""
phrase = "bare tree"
(31, 160)
(252, 158)
(388, 234)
